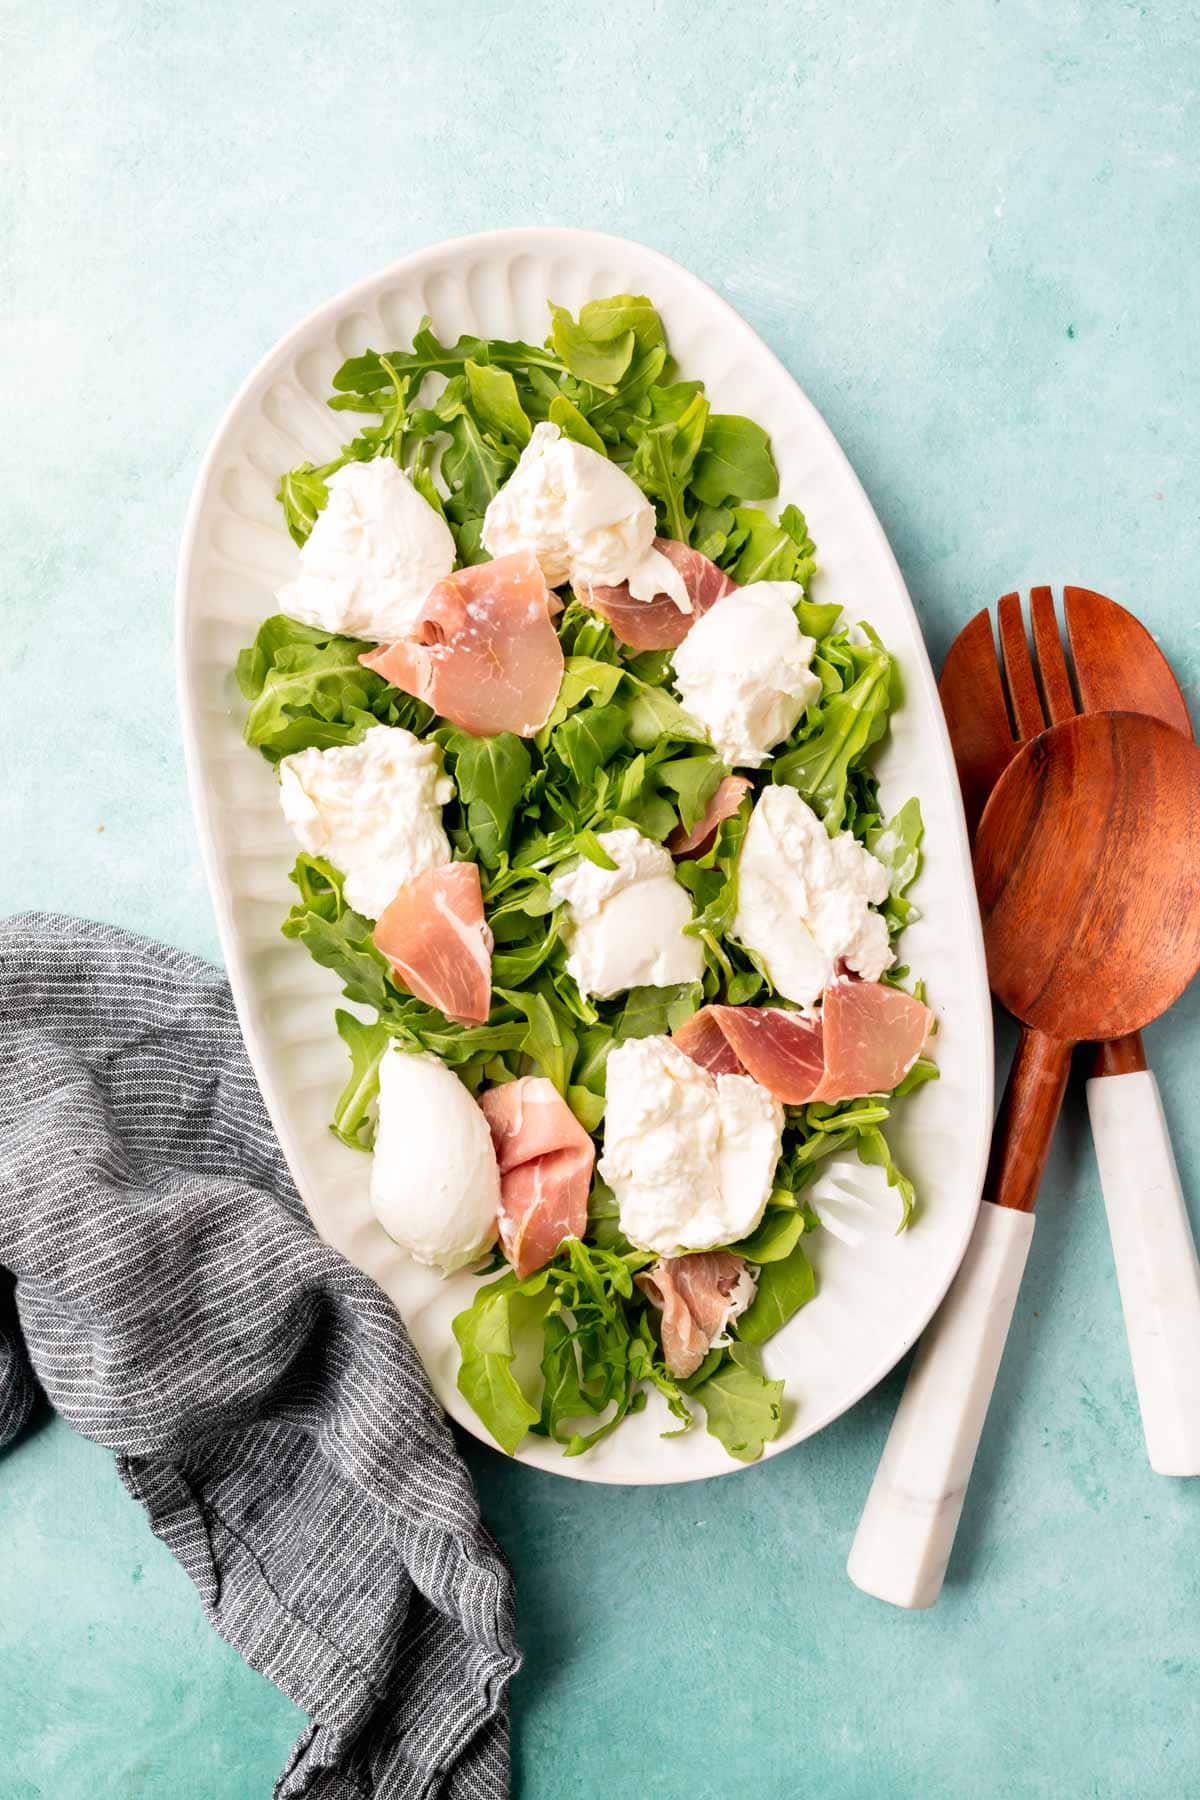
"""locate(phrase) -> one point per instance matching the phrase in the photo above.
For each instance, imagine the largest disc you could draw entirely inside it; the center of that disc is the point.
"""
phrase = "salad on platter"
(581, 781)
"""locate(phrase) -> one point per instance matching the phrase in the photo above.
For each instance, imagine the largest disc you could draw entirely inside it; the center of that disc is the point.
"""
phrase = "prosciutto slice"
(865, 1041)
(698, 1296)
(702, 1038)
(873, 1036)
(724, 803)
(545, 1158)
(782, 1050)
(482, 650)
(659, 624)
(436, 939)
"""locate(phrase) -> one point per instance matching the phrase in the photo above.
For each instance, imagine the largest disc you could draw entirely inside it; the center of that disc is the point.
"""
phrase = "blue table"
(972, 233)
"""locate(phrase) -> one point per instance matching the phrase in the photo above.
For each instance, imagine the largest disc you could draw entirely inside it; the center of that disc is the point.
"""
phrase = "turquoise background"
(972, 233)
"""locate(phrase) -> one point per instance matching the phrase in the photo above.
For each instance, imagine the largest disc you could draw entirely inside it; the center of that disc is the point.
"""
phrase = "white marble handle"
(906, 1533)
(1157, 1271)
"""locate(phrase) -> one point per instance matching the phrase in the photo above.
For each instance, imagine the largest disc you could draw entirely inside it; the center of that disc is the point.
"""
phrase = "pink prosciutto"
(659, 624)
(724, 803)
(697, 1296)
(436, 938)
(873, 1036)
(866, 1040)
(482, 650)
(702, 1038)
(545, 1158)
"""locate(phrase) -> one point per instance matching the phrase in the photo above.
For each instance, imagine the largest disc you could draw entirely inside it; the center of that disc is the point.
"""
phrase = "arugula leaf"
(784, 1286)
(655, 714)
(302, 494)
(657, 1011)
(711, 531)
(817, 621)
(662, 465)
(335, 935)
(493, 395)
(735, 462)
(846, 727)
(484, 1334)
(275, 634)
(367, 1044)
(367, 374)
(598, 361)
(604, 320)
(587, 739)
(549, 1039)
(584, 678)
(589, 846)
(774, 1238)
(695, 779)
(509, 967)
(490, 774)
(566, 415)
(308, 689)
(615, 414)
(421, 476)
(758, 549)
(475, 464)
(897, 845)
(745, 1410)
(563, 1395)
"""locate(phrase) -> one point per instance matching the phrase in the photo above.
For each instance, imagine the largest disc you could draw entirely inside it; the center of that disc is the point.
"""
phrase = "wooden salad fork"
(1118, 667)
(1087, 864)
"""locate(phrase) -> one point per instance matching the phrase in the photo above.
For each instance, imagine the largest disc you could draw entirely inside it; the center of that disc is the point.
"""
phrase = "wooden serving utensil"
(1118, 667)
(1087, 862)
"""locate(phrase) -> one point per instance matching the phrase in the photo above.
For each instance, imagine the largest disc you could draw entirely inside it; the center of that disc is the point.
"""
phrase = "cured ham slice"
(698, 1296)
(701, 1038)
(659, 624)
(438, 943)
(873, 1036)
(865, 1042)
(482, 650)
(545, 1159)
(782, 1050)
(724, 803)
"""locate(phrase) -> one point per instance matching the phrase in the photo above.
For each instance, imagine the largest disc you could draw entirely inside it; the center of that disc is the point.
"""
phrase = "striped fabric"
(262, 1397)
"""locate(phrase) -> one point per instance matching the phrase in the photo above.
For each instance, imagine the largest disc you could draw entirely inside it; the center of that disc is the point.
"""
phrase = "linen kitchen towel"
(263, 1399)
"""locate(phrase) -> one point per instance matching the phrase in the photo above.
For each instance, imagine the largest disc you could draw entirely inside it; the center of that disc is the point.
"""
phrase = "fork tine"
(1018, 669)
(1056, 683)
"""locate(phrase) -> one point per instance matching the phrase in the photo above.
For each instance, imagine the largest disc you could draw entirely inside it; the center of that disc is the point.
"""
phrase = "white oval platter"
(877, 1290)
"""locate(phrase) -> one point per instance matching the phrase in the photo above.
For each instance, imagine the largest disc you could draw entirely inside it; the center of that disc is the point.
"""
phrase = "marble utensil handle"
(1157, 1270)
(906, 1533)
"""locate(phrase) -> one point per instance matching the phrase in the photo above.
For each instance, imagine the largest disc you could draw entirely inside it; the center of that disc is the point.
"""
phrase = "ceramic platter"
(877, 1290)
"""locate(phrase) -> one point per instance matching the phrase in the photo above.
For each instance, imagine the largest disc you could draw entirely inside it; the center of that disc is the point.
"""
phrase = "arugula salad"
(581, 779)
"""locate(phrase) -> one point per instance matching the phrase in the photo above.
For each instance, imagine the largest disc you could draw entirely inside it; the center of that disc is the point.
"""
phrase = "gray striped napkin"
(262, 1397)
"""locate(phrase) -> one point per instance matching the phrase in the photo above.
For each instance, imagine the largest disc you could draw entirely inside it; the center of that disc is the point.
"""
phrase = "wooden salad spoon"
(1087, 865)
(1118, 667)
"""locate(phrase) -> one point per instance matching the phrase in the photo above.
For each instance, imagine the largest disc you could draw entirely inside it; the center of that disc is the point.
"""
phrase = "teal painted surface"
(972, 234)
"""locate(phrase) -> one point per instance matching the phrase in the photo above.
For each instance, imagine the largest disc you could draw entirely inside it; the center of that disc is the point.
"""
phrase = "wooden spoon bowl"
(1087, 865)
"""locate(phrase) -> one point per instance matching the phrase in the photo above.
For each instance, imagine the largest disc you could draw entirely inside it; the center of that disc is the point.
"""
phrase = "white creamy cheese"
(435, 1184)
(373, 809)
(624, 926)
(583, 518)
(805, 899)
(374, 553)
(743, 671)
(690, 1158)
